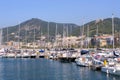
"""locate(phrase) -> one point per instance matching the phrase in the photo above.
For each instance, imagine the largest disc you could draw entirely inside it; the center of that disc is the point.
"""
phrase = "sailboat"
(67, 54)
(85, 60)
(113, 65)
(54, 51)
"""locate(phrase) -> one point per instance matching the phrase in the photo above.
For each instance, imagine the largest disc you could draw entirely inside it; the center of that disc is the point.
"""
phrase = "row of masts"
(56, 33)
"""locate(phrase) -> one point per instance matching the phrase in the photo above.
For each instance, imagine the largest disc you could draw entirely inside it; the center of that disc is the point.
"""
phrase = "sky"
(79, 12)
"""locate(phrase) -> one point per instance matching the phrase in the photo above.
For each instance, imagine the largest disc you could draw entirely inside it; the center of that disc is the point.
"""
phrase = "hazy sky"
(67, 11)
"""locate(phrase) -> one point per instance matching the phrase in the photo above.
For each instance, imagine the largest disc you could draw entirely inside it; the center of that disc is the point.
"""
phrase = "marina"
(62, 40)
(88, 56)
(101, 60)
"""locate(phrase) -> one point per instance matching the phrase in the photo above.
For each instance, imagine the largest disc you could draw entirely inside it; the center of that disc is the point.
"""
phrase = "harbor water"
(44, 69)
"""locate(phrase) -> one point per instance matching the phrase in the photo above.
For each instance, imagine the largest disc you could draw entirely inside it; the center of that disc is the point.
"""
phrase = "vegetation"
(39, 27)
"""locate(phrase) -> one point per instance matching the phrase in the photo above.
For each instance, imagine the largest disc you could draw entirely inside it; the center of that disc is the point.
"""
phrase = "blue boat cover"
(84, 52)
(41, 51)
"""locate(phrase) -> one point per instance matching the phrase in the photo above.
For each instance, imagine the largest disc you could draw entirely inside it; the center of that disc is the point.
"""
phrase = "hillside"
(37, 27)
(104, 26)
(40, 27)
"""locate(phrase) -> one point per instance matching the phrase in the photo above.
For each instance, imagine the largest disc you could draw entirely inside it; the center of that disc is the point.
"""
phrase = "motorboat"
(111, 67)
(84, 61)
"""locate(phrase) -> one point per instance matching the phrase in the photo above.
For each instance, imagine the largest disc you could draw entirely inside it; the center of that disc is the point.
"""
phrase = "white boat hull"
(111, 70)
(83, 62)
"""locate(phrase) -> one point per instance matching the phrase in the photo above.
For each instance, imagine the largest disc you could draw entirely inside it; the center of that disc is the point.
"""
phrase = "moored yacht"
(111, 67)
(84, 60)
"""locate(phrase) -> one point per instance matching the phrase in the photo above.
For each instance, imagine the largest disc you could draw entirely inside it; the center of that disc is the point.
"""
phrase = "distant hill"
(37, 27)
(40, 27)
(104, 26)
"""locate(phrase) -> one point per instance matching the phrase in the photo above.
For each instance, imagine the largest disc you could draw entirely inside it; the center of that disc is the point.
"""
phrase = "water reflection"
(43, 69)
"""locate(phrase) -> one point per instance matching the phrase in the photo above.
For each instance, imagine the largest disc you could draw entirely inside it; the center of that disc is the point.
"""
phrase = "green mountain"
(104, 27)
(34, 28)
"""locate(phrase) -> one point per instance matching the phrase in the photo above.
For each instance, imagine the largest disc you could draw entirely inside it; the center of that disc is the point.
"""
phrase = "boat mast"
(63, 35)
(97, 22)
(19, 36)
(82, 36)
(70, 36)
(56, 35)
(1, 36)
(7, 34)
(67, 37)
(88, 36)
(40, 35)
(34, 37)
(113, 30)
(26, 35)
(48, 34)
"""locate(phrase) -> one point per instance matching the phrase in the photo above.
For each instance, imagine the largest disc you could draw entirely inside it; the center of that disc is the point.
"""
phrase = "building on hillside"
(104, 40)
